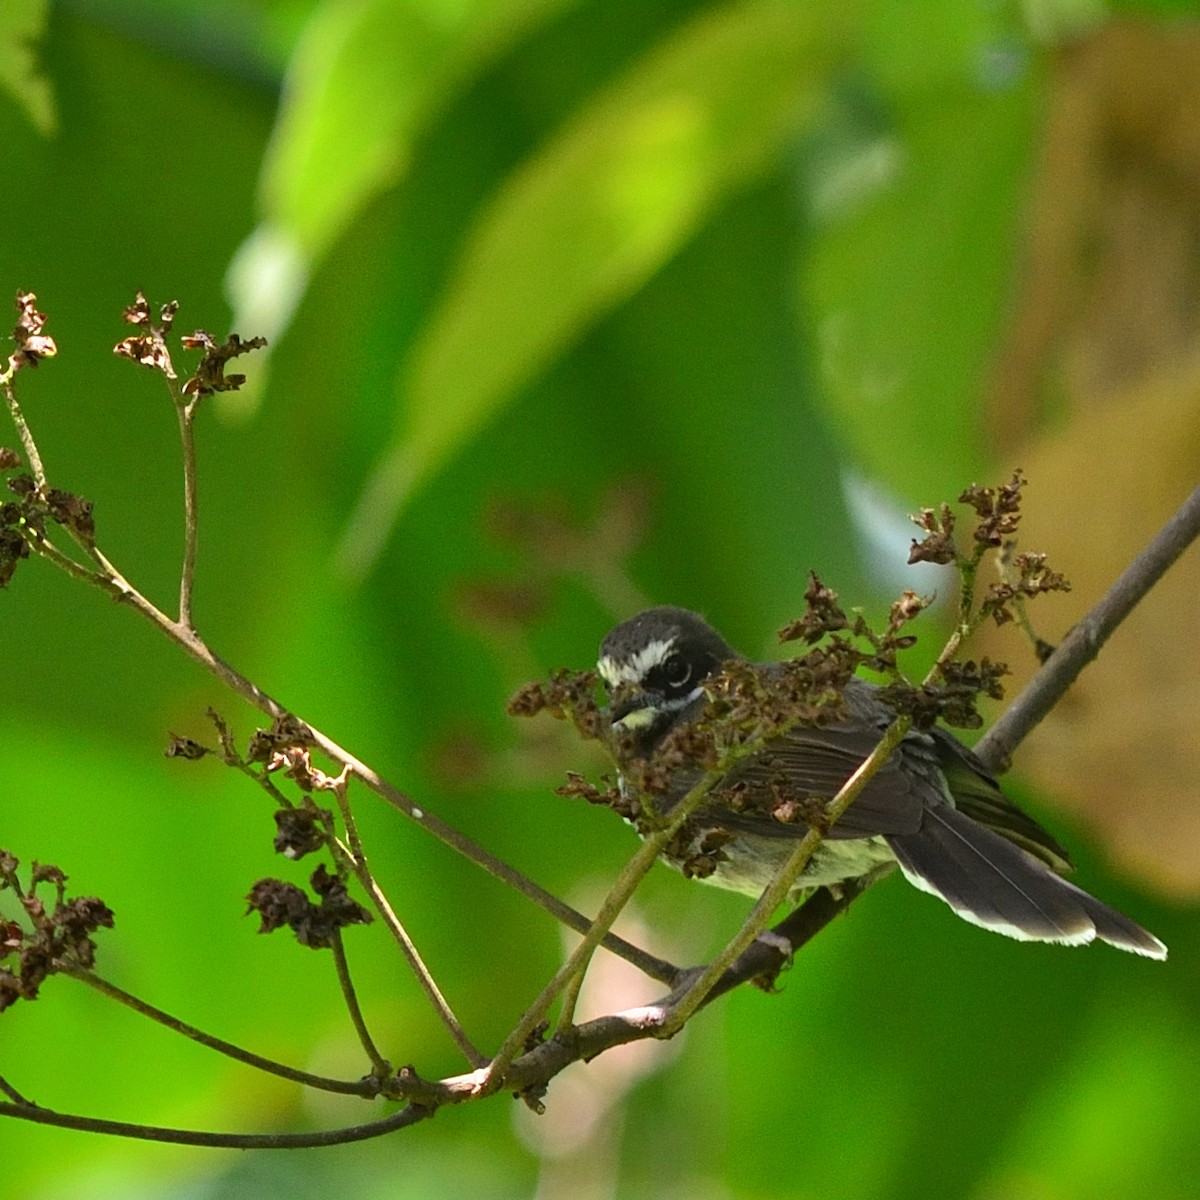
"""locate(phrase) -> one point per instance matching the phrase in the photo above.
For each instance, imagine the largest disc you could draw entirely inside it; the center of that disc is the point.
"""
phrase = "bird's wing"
(977, 794)
(815, 762)
(991, 882)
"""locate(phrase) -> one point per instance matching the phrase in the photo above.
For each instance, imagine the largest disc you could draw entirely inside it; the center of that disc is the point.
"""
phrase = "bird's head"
(654, 666)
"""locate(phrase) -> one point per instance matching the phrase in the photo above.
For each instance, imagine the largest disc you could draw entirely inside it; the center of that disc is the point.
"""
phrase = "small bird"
(933, 808)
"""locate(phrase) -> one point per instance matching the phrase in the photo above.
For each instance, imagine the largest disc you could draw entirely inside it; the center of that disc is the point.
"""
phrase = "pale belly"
(752, 862)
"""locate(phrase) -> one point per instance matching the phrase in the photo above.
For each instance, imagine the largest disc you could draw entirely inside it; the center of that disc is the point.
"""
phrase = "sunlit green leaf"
(587, 220)
(362, 78)
(22, 23)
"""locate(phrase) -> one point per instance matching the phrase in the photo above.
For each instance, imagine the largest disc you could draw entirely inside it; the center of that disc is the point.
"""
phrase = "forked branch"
(523, 1063)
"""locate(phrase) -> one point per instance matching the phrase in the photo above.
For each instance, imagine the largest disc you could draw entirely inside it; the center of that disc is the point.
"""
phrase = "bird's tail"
(990, 882)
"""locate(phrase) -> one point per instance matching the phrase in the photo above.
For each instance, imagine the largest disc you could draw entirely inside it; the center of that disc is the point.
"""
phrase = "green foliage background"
(732, 253)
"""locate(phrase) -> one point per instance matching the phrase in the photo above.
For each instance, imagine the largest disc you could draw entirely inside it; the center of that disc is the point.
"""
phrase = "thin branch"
(27, 442)
(39, 543)
(15, 1096)
(409, 1115)
(531, 1070)
(382, 1069)
(187, 439)
(618, 896)
(649, 964)
(413, 956)
(345, 1087)
(357, 858)
(1083, 643)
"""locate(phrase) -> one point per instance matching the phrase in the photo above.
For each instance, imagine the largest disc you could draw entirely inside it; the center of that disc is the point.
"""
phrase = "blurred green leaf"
(1115, 1111)
(586, 221)
(916, 188)
(22, 24)
(364, 75)
(912, 1055)
(907, 287)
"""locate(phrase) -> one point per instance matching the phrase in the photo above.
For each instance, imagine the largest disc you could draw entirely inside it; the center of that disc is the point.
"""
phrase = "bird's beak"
(633, 708)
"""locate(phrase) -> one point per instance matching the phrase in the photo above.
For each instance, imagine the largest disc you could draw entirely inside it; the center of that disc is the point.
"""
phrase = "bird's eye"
(676, 670)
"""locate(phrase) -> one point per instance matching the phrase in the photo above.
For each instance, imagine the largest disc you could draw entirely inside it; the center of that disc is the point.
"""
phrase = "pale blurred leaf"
(22, 24)
(906, 287)
(586, 221)
(364, 76)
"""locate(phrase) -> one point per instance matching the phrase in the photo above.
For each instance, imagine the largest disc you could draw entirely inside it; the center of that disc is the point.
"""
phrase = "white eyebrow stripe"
(635, 669)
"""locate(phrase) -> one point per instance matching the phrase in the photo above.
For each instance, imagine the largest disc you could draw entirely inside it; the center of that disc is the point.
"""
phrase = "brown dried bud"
(11, 937)
(277, 903)
(72, 511)
(529, 700)
(13, 548)
(906, 608)
(210, 374)
(184, 747)
(938, 547)
(998, 510)
(138, 313)
(822, 616)
(32, 344)
(299, 831)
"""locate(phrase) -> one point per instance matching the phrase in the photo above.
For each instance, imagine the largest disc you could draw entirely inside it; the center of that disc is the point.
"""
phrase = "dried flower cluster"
(57, 936)
(749, 705)
(315, 924)
(149, 348)
(32, 343)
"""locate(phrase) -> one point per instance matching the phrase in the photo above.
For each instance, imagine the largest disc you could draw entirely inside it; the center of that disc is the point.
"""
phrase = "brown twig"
(27, 443)
(1083, 642)
(381, 1068)
(618, 896)
(15, 1096)
(356, 1087)
(357, 857)
(409, 1115)
(186, 411)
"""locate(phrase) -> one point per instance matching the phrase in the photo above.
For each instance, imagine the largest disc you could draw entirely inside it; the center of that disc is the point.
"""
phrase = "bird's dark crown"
(664, 649)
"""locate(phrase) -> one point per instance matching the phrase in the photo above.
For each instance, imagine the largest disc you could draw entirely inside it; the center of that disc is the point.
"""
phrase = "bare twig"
(618, 896)
(381, 1068)
(357, 858)
(1083, 643)
(413, 957)
(27, 443)
(186, 410)
(409, 1115)
(356, 1087)
(12, 1093)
